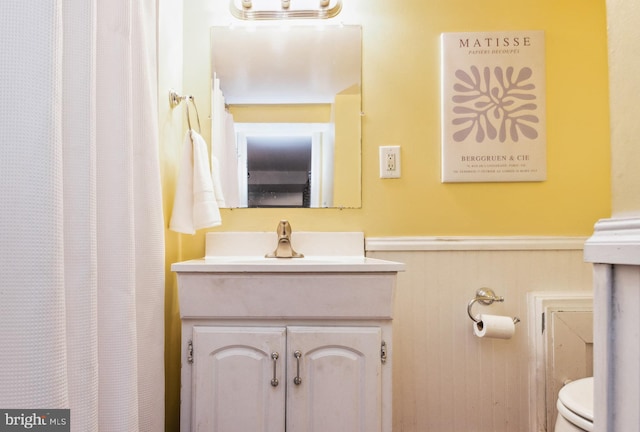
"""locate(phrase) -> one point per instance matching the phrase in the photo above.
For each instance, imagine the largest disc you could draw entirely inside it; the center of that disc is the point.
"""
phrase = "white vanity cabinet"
(276, 344)
(295, 345)
(231, 379)
(323, 378)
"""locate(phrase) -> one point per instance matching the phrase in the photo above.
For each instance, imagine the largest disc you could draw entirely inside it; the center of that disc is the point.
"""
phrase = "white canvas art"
(493, 107)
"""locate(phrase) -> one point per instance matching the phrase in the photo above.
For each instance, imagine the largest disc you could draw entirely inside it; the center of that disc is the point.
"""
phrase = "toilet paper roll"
(494, 326)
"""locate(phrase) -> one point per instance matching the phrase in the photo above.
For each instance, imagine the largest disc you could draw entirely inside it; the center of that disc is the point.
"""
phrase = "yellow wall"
(400, 97)
(400, 93)
(347, 156)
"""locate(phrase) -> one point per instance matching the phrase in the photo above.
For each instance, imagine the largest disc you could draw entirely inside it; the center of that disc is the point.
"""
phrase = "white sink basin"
(323, 252)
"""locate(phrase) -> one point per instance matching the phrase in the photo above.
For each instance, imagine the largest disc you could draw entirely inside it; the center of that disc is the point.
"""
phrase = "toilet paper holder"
(486, 296)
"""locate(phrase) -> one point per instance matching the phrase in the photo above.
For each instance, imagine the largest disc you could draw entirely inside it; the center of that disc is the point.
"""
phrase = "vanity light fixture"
(253, 10)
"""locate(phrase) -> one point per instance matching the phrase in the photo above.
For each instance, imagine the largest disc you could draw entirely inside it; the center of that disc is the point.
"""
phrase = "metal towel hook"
(175, 99)
(486, 296)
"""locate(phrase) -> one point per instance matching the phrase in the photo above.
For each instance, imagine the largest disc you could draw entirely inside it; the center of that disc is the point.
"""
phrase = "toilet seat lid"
(577, 396)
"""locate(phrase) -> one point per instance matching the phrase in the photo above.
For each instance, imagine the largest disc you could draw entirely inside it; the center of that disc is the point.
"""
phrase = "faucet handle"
(284, 229)
(284, 248)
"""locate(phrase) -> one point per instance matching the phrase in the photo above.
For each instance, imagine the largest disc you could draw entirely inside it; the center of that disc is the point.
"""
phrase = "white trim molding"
(614, 241)
(373, 244)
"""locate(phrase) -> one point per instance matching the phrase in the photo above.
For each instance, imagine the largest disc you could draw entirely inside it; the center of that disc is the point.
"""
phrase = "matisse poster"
(493, 107)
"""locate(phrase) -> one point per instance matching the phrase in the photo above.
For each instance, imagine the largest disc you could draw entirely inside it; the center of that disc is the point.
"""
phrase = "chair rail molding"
(474, 243)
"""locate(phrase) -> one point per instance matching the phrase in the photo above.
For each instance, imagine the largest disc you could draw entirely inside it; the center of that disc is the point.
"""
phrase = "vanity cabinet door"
(233, 387)
(339, 385)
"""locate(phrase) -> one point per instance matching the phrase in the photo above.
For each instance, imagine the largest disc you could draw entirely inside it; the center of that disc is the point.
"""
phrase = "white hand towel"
(195, 205)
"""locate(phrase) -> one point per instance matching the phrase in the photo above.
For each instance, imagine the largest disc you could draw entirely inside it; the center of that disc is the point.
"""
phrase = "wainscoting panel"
(444, 378)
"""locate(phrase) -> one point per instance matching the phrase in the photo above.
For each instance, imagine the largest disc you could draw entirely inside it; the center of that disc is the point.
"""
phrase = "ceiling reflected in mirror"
(286, 65)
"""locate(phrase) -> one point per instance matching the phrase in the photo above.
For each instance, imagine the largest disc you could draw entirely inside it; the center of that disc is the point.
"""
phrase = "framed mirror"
(286, 115)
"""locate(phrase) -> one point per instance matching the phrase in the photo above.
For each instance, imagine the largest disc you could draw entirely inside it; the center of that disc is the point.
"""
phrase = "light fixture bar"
(249, 12)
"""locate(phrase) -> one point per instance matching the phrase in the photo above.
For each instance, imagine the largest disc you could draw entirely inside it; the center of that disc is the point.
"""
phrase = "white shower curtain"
(81, 228)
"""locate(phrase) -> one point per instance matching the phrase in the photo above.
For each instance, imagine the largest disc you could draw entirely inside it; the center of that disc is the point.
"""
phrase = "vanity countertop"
(308, 264)
(244, 252)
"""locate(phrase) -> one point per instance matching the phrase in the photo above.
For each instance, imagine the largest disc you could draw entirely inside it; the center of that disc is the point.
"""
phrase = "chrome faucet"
(284, 248)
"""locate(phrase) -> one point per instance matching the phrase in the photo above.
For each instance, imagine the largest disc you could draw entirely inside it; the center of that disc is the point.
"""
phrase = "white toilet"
(575, 406)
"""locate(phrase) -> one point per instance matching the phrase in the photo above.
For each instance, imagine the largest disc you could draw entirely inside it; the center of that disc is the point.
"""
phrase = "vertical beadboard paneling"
(446, 379)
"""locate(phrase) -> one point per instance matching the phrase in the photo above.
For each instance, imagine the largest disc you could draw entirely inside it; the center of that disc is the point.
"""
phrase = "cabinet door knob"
(297, 380)
(274, 380)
